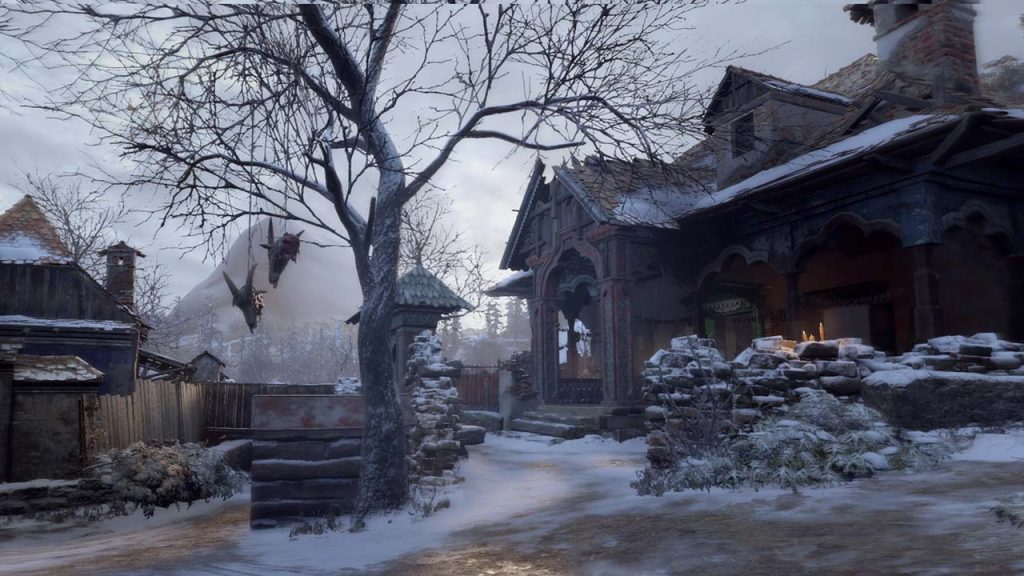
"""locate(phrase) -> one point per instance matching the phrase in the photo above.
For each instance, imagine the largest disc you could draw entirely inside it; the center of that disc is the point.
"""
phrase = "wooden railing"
(578, 391)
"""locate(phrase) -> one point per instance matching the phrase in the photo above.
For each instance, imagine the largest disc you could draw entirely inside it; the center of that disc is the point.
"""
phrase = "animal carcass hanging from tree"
(311, 103)
(280, 252)
(247, 299)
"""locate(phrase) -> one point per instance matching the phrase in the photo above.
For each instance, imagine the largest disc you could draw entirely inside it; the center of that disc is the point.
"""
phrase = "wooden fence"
(161, 410)
(478, 388)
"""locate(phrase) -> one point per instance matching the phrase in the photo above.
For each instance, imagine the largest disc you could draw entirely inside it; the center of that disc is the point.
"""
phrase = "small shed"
(208, 368)
(52, 417)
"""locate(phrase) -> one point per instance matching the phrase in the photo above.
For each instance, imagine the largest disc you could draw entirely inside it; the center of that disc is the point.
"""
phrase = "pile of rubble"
(773, 372)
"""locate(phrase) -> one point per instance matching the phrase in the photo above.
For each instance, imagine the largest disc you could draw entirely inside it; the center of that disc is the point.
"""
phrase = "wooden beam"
(955, 137)
(864, 111)
(891, 162)
(991, 149)
(908, 102)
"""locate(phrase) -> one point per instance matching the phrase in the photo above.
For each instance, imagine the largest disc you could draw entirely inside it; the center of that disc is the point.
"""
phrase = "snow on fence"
(162, 410)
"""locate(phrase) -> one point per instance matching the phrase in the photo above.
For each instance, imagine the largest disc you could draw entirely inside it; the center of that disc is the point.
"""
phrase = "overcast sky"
(813, 38)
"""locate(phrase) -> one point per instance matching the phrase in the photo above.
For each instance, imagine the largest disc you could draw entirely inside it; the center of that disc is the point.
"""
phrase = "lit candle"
(821, 331)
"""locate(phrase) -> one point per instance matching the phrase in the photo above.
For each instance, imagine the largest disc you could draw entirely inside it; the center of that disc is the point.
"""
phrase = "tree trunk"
(383, 481)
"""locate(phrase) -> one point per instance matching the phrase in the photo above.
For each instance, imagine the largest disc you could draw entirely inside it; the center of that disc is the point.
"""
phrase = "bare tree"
(430, 240)
(283, 110)
(84, 218)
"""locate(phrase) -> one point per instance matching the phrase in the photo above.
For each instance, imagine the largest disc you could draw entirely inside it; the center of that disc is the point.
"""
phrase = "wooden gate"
(478, 388)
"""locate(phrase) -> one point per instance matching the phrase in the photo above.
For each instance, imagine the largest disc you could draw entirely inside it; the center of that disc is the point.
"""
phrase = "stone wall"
(434, 446)
(948, 381)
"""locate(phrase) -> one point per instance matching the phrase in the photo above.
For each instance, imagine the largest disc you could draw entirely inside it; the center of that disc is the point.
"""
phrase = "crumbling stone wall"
(948, 381)
(434, 447)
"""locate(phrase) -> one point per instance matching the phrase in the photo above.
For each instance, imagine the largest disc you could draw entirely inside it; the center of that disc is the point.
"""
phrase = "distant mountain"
(321, 286)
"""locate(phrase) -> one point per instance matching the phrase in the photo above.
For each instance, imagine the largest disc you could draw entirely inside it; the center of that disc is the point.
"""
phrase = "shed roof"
(31, 368)
(27, 236)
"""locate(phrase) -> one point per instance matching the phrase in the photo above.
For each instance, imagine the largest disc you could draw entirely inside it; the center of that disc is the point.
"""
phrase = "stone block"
(270, 470)
(471, 435)
(838, 368)
(840, 385)
(319, 489)
(971, 349)
(546, 428)
(295, 450)
(490, 421)
(814, 350)
(925, 400)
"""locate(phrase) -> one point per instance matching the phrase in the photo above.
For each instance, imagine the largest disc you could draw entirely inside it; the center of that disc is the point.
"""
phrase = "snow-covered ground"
(532, 508)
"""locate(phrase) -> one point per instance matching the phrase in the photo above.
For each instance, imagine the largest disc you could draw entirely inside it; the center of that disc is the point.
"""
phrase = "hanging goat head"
(280, 251)
(247, 299)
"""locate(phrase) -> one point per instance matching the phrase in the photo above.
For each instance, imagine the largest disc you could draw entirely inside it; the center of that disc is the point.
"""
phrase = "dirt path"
(527, 512)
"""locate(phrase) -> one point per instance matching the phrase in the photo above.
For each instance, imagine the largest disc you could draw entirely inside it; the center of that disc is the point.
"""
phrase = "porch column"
(794, 321)
(617, 340)
(927, 312)
(544, 346)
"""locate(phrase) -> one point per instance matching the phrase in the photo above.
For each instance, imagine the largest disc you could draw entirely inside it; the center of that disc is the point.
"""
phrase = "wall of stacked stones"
(945, 382)
(434, 442)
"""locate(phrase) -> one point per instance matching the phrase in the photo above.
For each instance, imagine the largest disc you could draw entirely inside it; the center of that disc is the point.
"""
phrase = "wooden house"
(53, 307)
(885, 202)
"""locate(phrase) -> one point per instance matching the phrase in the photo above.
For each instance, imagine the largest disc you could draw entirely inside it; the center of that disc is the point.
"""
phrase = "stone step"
(548, 428)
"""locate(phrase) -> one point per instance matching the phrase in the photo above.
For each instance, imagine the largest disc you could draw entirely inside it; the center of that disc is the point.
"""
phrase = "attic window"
(743, 135)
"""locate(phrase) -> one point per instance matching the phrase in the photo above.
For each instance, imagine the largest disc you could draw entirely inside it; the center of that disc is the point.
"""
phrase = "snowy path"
(528, 508)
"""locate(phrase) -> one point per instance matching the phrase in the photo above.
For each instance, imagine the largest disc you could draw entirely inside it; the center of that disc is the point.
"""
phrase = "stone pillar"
(794, 319)
(927, 312)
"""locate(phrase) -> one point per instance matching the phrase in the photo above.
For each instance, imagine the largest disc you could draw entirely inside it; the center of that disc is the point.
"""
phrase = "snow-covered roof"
(512, 284)
(640, 192)
(26, 236)
(30, 368)
(821, 158)
(64, 323)
(512, 279)
(793, 88)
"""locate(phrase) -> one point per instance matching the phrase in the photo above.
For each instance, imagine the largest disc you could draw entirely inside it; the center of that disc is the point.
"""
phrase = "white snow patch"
(901, 378)
(995, 448)
(807, 91)
(20, 247)
(871, 138)
(19, 320)
(38, 483)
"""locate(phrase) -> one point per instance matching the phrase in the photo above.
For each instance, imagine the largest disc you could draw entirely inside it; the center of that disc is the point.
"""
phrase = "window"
(743, 135)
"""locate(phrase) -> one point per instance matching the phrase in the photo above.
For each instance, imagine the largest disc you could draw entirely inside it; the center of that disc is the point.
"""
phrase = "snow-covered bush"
(146, 476)
(821, 441)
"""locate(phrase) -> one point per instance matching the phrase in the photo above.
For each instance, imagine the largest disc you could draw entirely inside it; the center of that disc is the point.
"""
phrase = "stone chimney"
(925, 41)
(121, 272)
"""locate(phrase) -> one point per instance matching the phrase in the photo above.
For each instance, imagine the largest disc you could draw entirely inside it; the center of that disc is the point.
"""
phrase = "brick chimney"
(121, 272)
(929, 41)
